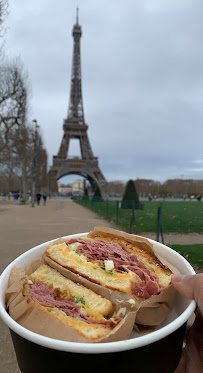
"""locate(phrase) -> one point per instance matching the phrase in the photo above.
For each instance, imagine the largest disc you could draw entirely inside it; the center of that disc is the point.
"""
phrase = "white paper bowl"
(182, 311)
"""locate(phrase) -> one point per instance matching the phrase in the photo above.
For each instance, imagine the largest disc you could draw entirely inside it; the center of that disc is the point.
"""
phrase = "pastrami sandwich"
(115, 260)
(79, 313)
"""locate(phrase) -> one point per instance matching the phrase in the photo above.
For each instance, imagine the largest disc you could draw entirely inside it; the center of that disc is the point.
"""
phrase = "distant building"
(64, 189)
(76, 188)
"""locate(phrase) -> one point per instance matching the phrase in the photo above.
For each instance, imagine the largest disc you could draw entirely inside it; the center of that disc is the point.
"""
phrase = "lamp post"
(34, 163)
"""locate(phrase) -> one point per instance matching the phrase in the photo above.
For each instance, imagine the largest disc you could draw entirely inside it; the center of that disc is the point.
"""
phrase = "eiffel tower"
(74, 127)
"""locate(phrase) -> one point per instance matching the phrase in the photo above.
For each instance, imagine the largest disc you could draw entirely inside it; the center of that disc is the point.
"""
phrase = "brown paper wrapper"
(42, 322)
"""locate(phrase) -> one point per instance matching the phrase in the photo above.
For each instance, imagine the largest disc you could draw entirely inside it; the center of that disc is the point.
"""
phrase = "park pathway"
(23, 227)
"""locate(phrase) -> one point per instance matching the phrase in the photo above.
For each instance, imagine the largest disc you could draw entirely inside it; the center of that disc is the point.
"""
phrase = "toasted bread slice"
(92, 305)
(66, 256)
(123, 278)
(139, 246)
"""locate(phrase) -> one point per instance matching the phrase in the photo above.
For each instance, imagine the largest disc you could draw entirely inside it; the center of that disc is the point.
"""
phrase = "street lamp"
(34, 163)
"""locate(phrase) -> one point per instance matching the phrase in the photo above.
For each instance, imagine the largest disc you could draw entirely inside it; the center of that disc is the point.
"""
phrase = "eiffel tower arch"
(74, 127)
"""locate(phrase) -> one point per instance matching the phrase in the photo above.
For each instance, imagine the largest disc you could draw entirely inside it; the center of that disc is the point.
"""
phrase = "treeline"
(170, 188)
(17, 130)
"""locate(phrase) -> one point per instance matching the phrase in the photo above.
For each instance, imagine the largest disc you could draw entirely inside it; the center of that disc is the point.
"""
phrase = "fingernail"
(178, 278)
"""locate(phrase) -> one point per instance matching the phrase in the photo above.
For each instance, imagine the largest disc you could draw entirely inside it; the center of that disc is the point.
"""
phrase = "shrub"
(130, 197)
(85, 195)
(97, 196)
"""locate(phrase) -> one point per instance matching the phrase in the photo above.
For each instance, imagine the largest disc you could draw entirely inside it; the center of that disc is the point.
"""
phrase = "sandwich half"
(115, 260)
(80, 313)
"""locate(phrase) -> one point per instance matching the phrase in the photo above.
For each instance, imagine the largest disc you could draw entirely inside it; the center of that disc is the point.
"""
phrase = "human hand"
(191, 287)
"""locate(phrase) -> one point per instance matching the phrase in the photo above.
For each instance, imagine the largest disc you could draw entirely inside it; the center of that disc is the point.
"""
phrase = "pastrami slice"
(100, 251)
(52, 298)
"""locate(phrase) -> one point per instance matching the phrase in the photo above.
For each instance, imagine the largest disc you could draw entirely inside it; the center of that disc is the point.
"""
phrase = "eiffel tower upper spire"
(77, 12)
(75, 110)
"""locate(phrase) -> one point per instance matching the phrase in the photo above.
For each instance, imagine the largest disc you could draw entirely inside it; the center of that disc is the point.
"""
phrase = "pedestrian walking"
(44, 196)
(38, 196)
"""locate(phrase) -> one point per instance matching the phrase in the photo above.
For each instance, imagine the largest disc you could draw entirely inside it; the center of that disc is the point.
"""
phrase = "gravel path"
(23, 227)
(177, 238)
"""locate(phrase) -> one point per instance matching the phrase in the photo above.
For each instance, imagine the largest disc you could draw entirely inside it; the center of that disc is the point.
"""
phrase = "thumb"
(190, 287)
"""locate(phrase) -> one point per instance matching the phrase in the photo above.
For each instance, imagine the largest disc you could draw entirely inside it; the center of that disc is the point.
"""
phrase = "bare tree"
(3, 15)
(115, 188)
(17, 166)
(3, 12)
(41, 169)
(23, 150)
(14, 91)
(14, 134)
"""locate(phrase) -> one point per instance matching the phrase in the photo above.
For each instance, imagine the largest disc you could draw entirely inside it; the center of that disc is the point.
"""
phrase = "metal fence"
(127, 215)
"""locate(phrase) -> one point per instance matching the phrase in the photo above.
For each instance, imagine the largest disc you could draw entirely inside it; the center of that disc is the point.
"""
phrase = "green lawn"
(180, 217)
(193, 253)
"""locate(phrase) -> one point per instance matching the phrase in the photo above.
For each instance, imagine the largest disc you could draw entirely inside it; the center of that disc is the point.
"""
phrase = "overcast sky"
(142, 80)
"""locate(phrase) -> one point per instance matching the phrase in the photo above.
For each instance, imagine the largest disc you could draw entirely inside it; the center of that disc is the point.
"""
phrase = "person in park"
(38, 196)
(44, 196)
(191, 287)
